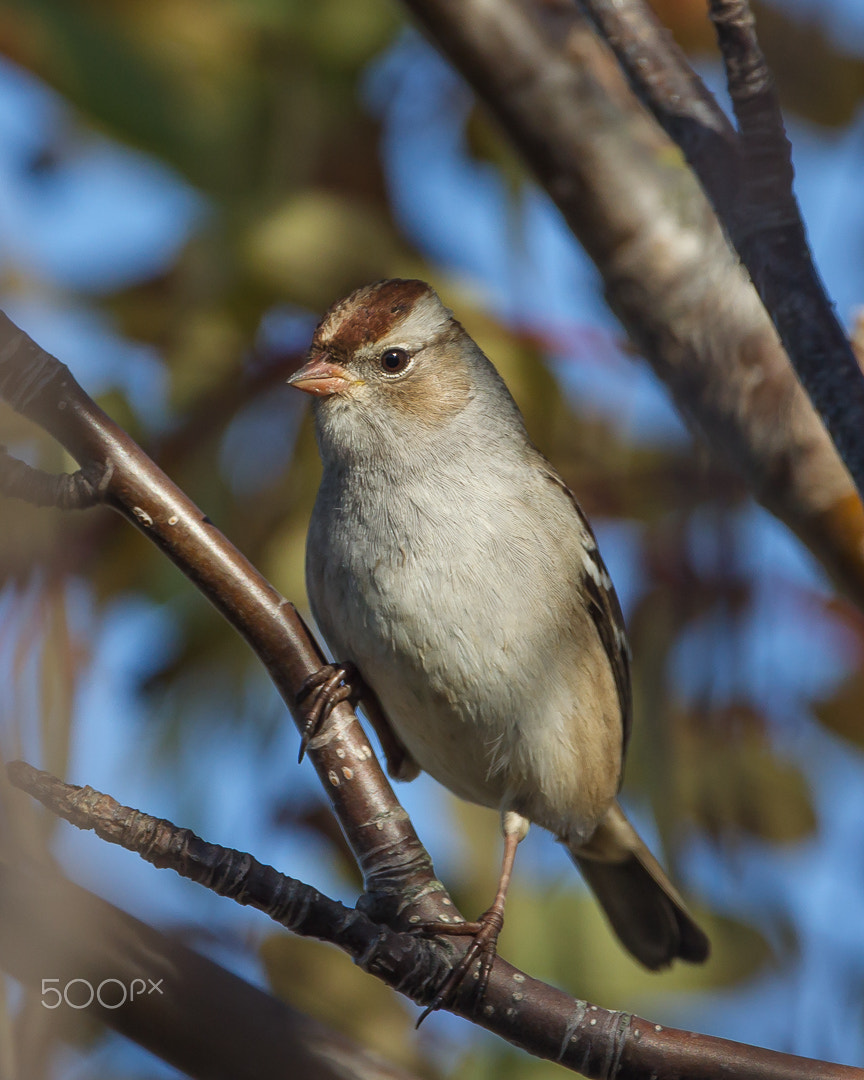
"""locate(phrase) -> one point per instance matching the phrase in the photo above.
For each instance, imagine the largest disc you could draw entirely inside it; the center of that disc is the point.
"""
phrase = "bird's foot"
(321, 693)
(484, 946)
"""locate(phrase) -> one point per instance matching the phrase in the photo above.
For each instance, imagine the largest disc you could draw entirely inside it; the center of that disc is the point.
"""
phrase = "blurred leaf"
(843, 711)
(562, 933)
(208, 346)
(688, 20)
(317, 245)
(342, 32)
(732, 780)
(234, 95)
(497, 1061)
(103, 72)
(713, 764)
(486, 144)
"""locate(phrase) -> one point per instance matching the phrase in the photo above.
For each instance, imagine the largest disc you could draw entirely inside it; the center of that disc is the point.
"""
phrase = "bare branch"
(233, 874)
(590, 1040)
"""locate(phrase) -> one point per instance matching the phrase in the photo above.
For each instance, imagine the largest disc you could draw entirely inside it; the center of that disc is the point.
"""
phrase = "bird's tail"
(643, 906)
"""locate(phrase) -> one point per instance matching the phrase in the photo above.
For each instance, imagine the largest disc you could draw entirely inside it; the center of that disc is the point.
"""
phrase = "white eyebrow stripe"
(427, 318)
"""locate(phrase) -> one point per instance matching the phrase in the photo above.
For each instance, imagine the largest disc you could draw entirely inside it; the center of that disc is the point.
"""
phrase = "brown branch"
(559, 96)
(546, 1022)
(410, 964)
(397, 871)
(761, 216)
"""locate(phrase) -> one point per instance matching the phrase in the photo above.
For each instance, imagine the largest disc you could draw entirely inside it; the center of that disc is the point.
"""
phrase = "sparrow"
(450, 566)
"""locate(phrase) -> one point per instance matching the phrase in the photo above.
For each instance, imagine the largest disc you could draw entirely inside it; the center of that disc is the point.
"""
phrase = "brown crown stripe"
(367, 314)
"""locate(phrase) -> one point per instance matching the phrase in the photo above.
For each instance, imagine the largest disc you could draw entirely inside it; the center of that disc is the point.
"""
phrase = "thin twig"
(65, 491)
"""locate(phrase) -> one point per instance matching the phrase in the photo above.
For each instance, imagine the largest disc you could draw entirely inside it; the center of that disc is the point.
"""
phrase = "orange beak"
(322, 378)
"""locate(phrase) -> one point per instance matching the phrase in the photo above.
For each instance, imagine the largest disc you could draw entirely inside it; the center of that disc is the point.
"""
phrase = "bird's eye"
(393, 361)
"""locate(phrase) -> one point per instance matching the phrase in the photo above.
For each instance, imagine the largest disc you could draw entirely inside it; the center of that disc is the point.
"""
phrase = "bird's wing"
(604, 608)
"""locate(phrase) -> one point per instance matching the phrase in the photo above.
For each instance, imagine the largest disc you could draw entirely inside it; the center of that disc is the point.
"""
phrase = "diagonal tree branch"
(760, 215)
(397, 870)
(559, 96)
(590, 1040)
(684, 108)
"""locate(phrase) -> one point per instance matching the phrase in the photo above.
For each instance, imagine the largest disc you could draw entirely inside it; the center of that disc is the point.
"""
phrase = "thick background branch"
(760, 215)
(668, 273)
(52, 929)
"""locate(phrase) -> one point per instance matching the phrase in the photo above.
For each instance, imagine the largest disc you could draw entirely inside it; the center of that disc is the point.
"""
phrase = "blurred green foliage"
(255, 103)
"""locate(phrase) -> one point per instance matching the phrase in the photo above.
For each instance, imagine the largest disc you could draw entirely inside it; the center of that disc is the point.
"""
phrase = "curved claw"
(326, 687)
(485, 946)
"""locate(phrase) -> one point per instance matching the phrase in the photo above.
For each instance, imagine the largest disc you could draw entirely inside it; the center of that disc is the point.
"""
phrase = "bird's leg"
(485, 932)
(321, 693)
